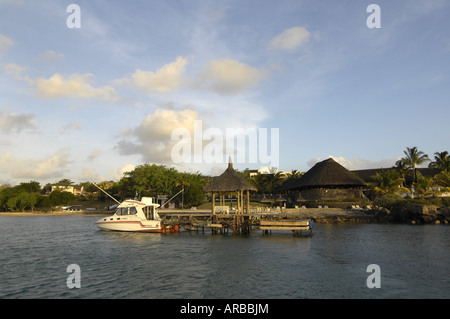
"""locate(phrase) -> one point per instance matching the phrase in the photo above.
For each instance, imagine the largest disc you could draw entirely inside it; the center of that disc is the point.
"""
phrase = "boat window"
(149, 212)
(133, 211)
(122, 211)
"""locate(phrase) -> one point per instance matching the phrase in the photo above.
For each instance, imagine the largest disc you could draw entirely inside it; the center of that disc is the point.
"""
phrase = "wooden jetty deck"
(237, 223)
(297, 226)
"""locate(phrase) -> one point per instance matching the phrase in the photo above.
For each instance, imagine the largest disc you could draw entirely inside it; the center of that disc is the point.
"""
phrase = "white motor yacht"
(136, 216)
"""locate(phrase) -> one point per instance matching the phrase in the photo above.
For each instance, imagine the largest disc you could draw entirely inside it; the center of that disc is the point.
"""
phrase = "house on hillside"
(267, 170)
(63, 187)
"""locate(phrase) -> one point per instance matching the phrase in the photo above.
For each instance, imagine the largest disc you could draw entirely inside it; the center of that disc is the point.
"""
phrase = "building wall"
(331, 193)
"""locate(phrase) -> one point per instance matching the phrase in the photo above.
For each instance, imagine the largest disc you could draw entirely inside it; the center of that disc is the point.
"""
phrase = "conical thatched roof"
(328, 173)
(229, 181)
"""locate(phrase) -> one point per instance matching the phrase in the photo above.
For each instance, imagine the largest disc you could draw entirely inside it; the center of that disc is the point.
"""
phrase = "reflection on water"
(329, 264)
(131, 237)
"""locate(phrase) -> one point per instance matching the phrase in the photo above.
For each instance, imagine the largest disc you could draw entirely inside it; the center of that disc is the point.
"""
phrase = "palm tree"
(267, 183)
(414, 157)
(402, 169)
(295, 174)
(443, 180)
(424, 186)
(259, 181)
(388, 182)
(441, 161)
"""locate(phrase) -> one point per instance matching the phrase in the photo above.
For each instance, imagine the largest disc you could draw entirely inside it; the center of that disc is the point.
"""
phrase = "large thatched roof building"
(328, 180)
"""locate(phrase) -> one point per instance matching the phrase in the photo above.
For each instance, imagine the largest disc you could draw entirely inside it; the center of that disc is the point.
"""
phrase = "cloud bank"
(152, 138)
(291, 38)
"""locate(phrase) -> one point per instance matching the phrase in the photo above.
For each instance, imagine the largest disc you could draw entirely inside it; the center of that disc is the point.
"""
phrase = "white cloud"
(71, 126)
(50, 56)
(11, 122)
(12, 2)
(118, 173)
(5, 43)
(291, 38)
(51, 167)
(93, 155)
(227, 76)
(357, 163)
(74, 86)
(16, 72)
(59, 86)
(153, 136)
(168, 78)
(89, 174)
(222, 76)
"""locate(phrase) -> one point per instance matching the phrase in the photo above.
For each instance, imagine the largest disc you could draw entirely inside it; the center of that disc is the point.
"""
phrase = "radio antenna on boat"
(106, 193)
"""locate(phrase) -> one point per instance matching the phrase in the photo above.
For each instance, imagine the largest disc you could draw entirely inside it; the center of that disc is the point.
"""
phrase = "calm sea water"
(36, 251)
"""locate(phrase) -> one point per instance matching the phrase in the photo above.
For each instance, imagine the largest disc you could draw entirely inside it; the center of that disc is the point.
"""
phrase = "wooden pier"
(236, 223)
(297, 226)
(220, 219)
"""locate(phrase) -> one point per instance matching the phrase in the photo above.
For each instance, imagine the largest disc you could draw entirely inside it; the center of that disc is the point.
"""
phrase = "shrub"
(392, 202)
(446, 201)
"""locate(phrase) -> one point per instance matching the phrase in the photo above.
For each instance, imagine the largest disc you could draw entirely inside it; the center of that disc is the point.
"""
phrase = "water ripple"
(331, 264)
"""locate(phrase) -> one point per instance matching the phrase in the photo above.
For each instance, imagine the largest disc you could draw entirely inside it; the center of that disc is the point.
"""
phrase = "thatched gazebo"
(230, 182)
(329, 180)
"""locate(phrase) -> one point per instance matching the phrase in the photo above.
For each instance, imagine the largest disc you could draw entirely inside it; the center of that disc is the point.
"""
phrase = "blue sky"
(90, 103)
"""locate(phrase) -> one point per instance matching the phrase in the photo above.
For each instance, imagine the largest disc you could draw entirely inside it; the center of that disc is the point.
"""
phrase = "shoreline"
(319, 215)
(55, 213)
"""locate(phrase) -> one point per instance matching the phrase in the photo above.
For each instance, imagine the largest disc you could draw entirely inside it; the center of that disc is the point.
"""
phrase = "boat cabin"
(145, 208)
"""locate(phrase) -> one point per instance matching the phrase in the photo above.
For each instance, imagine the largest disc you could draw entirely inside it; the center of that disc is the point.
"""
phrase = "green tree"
(402, 169)
(58, 198)
(12, 203)
(443, 180)
(20, 197)
(6, 194)
(22, 201)
(441, 161)
(296, 174)
(193, 185)
(424, 186)
(29, 200)
(30, 187)
(267, 183)
(414, 157)
(153, 180)
(65, 181)
(388, 182)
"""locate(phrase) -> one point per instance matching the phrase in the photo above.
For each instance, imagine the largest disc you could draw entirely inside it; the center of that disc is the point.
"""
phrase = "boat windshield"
(126, 211)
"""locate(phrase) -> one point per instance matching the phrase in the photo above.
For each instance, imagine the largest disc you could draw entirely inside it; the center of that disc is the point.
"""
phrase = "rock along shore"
(412, 214)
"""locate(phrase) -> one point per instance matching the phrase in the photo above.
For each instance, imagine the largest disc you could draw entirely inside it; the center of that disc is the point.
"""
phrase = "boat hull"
(144, 226)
